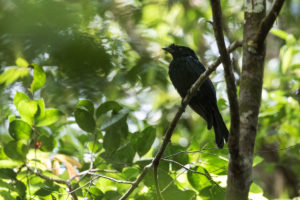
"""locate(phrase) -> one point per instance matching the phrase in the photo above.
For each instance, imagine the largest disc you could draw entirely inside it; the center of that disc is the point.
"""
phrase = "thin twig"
(229, 77)
(137, 181)
(192, 91)
(67, 183)
(268, 22)
(110, 178)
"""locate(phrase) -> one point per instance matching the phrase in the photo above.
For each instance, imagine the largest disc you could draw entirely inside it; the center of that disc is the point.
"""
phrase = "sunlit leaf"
(41, 108)
(11, 74)
(27, 110)
(255, 188)
(257, 160)
(95, 146)
(20, 96)
(287, 58)
(19, 129)
(51, 116)
(39, 78)
(284, 35)
(279, 33)
(11, 118)
(21, 62)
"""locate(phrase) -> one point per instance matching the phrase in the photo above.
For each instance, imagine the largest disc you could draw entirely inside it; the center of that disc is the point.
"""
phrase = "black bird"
(184, 70)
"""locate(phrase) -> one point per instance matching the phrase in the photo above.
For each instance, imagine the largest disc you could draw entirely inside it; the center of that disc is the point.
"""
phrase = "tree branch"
(268, 22)
(68, 182)
(192, 91)
(229, 76)
(65, 182)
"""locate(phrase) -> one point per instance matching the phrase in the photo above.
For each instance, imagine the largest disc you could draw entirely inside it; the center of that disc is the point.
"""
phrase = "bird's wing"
(207, 89)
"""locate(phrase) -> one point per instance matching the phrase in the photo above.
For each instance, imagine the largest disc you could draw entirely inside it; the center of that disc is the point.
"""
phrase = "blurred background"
(110, 50)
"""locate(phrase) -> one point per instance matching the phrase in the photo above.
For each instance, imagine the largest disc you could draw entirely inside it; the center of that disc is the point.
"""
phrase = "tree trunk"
(241, 158)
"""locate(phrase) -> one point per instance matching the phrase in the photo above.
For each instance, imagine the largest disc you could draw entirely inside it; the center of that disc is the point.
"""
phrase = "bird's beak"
(168, 49)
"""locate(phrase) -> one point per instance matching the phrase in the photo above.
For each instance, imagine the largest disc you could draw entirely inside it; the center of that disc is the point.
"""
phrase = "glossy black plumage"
(184, 70)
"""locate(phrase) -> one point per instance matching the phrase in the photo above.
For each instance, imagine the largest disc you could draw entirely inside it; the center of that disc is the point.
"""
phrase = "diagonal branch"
(229, 77)
(192, 91)
(268, 22)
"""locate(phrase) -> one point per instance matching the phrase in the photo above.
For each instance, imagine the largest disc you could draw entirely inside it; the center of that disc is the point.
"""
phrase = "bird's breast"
(181, 78)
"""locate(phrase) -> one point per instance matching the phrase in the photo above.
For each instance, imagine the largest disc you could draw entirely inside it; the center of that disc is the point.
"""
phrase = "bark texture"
(240, 165)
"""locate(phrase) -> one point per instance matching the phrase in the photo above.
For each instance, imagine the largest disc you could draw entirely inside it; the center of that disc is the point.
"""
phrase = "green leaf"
(257, 160)
(6, 195)
(20, 97)
(9, 163)
(143, 141)
(95, 193)
(115, 131)
(115, 119)
(112, 140)
(39, 78)
(254, 188)
(87, 104)
(173, 192)
(44, 191)
(16, 150)
(124, 154)
(112, 195)
(6, 173)
(12, 74)
(131, 172)
(212, 192)
(48, 143)
(287, 58)
(107, 106)
(199, 181)
(27, 110)
(172, 152)
(41, 108)
(85, 120)
(279, 33)
(289, 38)
(19, 129)
(21, 62)
(11, 118)
(95, 147)
(50, 117)
(21, 188)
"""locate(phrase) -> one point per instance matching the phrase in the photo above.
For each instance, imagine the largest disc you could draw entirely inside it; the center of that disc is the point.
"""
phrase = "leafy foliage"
(84, 84)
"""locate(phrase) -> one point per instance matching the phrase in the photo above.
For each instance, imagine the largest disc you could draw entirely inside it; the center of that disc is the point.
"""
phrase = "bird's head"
(179, 51)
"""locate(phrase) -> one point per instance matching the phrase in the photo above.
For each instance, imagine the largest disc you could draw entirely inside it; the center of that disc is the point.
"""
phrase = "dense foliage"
(84, 85)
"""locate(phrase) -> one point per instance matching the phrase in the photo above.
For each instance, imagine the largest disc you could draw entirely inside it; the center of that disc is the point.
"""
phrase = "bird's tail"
(221, 131)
